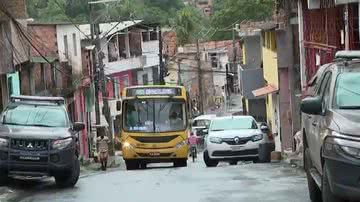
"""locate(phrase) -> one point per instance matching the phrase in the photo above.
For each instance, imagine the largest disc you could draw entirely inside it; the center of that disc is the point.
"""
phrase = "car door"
(317, 121)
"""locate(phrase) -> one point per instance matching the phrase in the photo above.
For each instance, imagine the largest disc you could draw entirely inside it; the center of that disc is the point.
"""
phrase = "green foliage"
(229, 12)
(187, 25)
(151, 11)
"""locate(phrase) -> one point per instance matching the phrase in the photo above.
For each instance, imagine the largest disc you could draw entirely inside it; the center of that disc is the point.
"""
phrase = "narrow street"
(275, 182)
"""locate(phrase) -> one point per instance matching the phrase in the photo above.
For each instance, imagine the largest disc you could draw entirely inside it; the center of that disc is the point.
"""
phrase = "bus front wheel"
(132, 165)
(180, 163)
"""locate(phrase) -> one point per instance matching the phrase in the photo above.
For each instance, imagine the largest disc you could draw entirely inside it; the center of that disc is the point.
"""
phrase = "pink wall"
(81, 116)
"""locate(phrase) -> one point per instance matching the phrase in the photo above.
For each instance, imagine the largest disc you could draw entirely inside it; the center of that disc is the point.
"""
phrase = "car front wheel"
(3, 178)
(208, 161)
(314, 191)
(69, 178)
(327, 194)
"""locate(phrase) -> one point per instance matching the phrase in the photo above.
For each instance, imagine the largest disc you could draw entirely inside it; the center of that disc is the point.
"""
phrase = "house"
(251, 70)
(55, 69)
(325, 27)
(281, 70)
(214, 62)
(204, 5)
(14, 53)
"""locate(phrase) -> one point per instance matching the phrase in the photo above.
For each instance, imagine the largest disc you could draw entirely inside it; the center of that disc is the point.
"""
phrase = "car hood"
(235, 133)
(347, 121)
(27, 132)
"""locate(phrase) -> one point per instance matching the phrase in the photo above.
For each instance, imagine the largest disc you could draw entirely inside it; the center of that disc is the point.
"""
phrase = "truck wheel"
(233, 163)
(180, 163)
(314, 190)
(4, 179)
(327, 195)
(132, 165)
(208, 161)
(69, 178)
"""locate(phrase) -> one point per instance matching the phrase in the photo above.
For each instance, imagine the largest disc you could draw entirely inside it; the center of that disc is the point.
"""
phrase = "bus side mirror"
(118, 105)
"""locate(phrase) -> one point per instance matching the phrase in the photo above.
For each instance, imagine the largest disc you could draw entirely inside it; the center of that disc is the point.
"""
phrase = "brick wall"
(169, 43)
(44, 38)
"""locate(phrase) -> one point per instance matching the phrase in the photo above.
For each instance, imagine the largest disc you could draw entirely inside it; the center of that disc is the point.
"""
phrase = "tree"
(229, 12)
(187, 25)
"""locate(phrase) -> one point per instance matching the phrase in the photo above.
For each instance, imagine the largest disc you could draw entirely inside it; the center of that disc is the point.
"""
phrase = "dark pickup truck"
(37, 139)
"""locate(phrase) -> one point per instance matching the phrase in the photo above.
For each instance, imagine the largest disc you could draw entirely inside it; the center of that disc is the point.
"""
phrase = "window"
(35, 115)
(10, 86)
(324, 81)
(74, 44)
(155, 115)
(154, 36)
(347, 91)
(146, 36)
(145, 79)
(126, 81)
(66, 47)
(214, 60)
(233, 124)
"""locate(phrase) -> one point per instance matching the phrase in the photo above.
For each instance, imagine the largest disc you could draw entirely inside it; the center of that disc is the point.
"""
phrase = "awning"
(39, 59)
(269, 89)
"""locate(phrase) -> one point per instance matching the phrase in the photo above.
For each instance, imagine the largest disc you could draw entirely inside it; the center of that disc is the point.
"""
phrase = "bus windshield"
(155, 115)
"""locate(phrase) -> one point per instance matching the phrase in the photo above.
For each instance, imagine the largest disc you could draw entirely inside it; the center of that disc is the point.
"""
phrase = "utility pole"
(161, 63)
(179, 71)
(94, 32)
(99, 71)
(201, 94)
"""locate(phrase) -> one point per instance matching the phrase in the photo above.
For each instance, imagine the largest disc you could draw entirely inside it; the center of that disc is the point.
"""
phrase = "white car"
(237, 138)
(201, 123)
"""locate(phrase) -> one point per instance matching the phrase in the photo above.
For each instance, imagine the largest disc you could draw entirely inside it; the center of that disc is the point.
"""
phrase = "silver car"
(237, 138)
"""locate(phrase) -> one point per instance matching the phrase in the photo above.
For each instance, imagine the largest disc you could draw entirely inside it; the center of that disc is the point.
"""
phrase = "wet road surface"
(196, 183)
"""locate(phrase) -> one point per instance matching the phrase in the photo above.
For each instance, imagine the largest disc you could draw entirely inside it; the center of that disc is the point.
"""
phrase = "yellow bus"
(155, 125)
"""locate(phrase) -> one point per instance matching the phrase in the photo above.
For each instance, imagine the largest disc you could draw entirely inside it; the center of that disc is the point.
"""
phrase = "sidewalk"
(89, 166)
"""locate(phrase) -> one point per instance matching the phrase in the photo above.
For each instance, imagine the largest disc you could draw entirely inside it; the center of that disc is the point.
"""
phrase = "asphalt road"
(245, 182)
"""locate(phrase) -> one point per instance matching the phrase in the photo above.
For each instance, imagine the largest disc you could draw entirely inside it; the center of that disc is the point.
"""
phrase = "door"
(314, 138)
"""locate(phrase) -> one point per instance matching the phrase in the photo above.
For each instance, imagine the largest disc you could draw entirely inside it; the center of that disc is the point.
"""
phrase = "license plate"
(29, 158)
(154, 154)
(237, 148)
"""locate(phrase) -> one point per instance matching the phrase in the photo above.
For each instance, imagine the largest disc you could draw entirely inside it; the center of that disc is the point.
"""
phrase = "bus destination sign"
(154, 92)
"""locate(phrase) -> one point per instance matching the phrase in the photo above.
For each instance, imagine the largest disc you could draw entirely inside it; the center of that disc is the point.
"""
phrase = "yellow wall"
(270, 69)
(243, 54)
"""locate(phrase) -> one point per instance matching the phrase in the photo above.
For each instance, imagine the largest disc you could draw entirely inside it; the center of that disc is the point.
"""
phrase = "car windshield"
(155, 115)
(347, 94)
(200, 123)
(233, 124)
(35, 115)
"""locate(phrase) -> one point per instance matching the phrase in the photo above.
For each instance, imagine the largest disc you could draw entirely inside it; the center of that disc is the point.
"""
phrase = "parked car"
(331, 117)
(236, 138)
(200, 125)
(37, 139)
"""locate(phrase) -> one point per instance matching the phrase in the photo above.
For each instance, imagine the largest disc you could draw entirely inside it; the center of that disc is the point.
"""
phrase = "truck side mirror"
(118, 105)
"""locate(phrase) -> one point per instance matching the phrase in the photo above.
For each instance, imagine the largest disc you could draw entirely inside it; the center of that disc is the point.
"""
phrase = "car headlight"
(215, 140)
(61, 144)
(257, 137)
(181, 144)
(341, 143)
(4, 143)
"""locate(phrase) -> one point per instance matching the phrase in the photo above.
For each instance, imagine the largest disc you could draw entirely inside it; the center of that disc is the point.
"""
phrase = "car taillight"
(270, 136)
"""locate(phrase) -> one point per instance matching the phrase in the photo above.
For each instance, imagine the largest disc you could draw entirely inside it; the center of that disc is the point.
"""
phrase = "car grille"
(236, 153)
(31, 145)
(161, 139)
(231, 141)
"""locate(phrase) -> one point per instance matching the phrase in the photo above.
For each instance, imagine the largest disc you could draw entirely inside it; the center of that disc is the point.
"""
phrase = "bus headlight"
(127, 145)
(181, 144)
